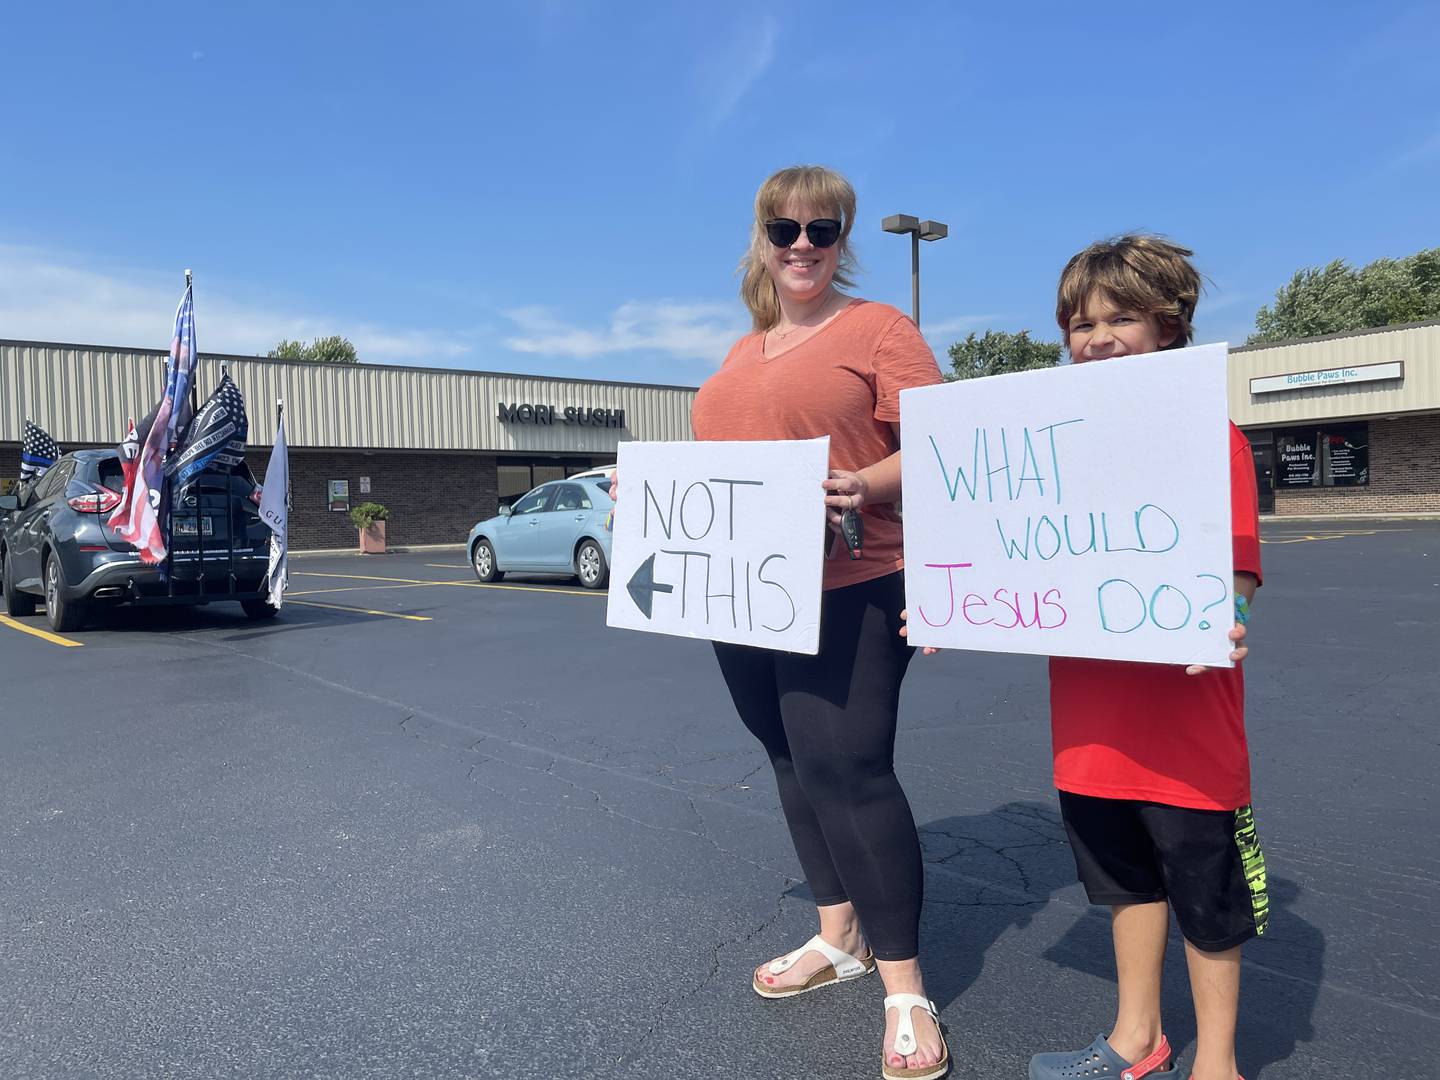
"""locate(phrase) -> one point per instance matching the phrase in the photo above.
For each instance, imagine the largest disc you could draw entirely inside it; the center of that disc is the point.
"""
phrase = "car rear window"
(603, 485)
(111, 475)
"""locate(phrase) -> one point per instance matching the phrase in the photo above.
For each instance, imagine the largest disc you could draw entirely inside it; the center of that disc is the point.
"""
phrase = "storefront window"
(1335, 456)
(513, 481)
(1345, 458)
(515, 478)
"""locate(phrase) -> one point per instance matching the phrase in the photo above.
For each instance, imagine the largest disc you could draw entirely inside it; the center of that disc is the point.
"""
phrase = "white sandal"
(906, 1043)
(842, 968)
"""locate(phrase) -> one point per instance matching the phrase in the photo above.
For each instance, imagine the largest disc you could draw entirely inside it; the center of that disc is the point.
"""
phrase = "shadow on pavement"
(986, 875)
(1276, 1008)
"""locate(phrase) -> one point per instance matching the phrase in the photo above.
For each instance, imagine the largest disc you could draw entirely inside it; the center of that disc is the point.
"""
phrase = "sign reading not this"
(1077, 511)
(721, 541)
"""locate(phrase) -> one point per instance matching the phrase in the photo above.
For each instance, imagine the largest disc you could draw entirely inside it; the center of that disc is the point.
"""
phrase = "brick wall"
(433, 497)
(1404, 475)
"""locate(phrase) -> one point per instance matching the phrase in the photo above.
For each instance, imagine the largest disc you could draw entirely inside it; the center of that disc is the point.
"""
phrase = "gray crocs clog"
(1099, 1062)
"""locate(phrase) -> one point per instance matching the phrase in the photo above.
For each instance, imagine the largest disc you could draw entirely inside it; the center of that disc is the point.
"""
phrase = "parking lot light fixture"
(918, 230)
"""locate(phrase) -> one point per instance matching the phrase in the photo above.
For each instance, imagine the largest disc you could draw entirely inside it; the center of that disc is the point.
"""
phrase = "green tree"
(998, 352)
(1338, 297)
(289, 350)
(327, 350)
(333, 350)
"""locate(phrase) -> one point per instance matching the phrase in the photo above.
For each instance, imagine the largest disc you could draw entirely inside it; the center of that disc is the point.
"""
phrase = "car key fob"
(852, 525)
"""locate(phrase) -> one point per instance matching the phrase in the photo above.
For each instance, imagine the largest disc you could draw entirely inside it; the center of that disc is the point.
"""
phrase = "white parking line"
(364, 611)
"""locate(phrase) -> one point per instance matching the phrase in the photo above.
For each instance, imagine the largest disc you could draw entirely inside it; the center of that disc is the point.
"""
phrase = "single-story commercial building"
(439, 448)
(1343, 424)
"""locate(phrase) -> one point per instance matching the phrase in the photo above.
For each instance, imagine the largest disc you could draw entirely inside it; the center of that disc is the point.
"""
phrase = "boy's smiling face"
(1101, 329)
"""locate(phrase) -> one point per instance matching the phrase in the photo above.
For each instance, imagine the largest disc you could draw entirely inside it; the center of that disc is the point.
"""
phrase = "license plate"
(186, 526)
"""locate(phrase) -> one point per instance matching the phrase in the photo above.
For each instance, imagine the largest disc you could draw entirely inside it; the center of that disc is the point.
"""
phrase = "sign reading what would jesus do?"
(721, 541)
(1078, 511)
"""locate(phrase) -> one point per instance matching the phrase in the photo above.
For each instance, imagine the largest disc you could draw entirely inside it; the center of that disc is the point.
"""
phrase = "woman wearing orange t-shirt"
(823, 363)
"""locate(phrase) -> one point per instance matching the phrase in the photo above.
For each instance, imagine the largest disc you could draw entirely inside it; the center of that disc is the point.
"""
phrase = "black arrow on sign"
(643, 586)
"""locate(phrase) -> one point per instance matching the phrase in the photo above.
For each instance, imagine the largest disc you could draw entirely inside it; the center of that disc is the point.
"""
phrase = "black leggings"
(828, 724)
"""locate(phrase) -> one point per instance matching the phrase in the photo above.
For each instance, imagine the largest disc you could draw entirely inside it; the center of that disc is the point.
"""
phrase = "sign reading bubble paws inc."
(721, 540)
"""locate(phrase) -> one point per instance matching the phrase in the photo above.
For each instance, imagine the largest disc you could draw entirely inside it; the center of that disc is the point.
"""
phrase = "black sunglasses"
(784, 231)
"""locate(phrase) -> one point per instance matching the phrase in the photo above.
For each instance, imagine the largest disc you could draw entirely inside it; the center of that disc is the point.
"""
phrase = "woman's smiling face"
(802, 271)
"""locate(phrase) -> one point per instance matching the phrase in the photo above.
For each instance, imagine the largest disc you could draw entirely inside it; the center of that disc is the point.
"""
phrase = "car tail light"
(98, 501)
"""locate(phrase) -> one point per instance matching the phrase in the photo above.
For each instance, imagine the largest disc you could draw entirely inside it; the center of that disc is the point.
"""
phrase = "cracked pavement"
(511, 842)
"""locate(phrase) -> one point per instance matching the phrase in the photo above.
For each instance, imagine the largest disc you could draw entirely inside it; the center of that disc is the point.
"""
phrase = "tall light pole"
(918, 230)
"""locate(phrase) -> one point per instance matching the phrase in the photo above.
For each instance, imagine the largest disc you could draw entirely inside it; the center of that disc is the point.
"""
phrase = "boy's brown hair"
(1138, 272)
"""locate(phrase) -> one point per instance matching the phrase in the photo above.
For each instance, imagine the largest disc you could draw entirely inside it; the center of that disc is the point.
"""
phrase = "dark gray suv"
(55, 544)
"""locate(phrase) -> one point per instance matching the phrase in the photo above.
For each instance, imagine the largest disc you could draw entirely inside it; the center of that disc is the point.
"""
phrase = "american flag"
(216, 437)
(180, 371)
(37, 452)
(141, 518)
(137, 519)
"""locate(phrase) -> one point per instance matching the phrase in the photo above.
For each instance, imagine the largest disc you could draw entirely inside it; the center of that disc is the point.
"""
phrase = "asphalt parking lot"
(420, 827)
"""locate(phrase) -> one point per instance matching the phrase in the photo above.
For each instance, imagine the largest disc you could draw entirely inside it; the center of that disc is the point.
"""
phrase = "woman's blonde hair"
(1138, 272)
(821, 190)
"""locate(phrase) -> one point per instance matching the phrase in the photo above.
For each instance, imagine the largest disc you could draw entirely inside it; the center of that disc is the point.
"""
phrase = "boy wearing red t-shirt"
(1150, 759)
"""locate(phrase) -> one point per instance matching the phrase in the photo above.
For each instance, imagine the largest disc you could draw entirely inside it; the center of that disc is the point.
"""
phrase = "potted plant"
(369, 518)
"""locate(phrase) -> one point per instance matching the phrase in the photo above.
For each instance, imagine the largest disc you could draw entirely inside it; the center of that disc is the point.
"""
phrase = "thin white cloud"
(727, 74)
(945, 332)
(689, 331)
(49, 297)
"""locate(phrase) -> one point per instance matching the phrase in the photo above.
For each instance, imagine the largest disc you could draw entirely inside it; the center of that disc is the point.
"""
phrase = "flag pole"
(199, 482)
(169, 533)
(195, 360)
(279, 415)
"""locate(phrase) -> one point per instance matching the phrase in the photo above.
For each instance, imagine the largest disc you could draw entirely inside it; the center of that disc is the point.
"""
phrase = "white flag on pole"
(274, 504)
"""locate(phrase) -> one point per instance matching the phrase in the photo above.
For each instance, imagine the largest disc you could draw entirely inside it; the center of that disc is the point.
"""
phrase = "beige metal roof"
(1418, 390)
(85, 394)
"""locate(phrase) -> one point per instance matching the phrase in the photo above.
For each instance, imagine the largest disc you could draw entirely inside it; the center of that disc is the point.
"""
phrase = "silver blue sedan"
(562, 527)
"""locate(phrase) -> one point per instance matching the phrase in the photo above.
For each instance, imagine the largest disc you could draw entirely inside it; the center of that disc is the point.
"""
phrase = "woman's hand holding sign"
(845, 490)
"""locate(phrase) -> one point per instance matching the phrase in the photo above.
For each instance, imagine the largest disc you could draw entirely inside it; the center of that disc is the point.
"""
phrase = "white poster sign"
(721, 540)
(1076, 511)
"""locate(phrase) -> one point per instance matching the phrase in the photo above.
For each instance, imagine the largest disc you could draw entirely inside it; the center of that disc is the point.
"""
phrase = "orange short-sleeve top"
(844, 382)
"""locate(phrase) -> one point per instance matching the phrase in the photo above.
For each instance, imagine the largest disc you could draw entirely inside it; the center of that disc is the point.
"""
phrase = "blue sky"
(565, 187)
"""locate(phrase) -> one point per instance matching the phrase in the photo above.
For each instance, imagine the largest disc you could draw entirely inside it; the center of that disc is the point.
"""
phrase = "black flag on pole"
(215, 438)
(37, 453)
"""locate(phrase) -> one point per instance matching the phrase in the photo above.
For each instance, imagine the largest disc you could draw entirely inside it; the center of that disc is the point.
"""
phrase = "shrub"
(367, 513)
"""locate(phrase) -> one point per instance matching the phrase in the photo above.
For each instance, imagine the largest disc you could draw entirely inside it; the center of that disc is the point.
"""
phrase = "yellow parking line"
(364, 611)
(537, 588)
(1324, 534)
(449, 566)
(45, 635)
(459, 584)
